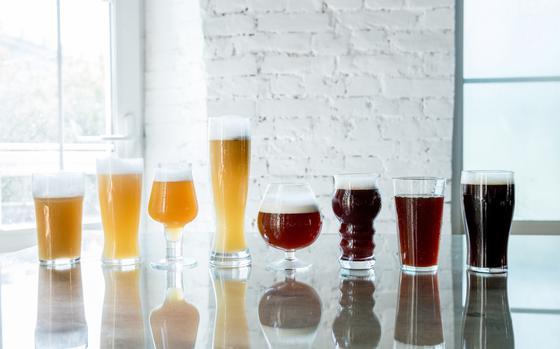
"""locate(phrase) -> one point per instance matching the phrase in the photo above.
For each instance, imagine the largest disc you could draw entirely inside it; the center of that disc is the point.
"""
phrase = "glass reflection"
(122, 324)
(486, 318)
(230, 325)
(60, 309)
(418, 322)
(174, 324)
(289, 313)
(356, 325)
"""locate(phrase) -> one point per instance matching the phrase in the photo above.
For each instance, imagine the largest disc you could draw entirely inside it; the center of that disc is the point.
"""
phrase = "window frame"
(124, 109)
(519, 227)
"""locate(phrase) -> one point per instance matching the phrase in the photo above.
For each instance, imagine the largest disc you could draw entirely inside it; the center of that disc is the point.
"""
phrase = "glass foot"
(121, 262)
(174, 264)
(413, 269)
(59, 262)
(484, 270)
(289, 264)
(230, 260)
(356, 265)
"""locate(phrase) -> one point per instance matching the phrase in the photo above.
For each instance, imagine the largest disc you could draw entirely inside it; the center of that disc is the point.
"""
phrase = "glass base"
(288, 264)
(357, 274)
(413, 269)
(122, 261)
(498, 270)
(174, 264)
(59, 262)
(230, 260)
(356, 265)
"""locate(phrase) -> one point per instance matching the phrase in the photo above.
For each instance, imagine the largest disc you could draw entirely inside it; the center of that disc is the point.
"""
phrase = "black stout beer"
(488, 202)
(356, 203)
(487, 318)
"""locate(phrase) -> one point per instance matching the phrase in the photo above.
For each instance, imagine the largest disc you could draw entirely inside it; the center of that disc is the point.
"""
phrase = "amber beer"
(58, 201)
(230, 153)
(120, 194)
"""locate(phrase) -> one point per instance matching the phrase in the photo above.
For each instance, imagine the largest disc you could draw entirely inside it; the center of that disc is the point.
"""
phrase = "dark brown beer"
(356, 209)
(289, 231)
(487, 214)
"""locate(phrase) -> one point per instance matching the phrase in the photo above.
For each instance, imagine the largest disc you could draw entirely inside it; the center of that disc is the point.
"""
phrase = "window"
(65, 92)
(508, 103)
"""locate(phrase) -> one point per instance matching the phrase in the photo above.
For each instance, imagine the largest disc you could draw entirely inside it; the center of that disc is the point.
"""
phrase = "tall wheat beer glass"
(230, 155)
(120, 195)
(58, 201)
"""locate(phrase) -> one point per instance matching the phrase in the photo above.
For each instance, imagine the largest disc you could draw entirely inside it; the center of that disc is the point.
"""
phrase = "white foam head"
(229, 127)
(58, 185)
(356, 181)
(487, 177)
(112, 165)
(289, 198)
(173, 173)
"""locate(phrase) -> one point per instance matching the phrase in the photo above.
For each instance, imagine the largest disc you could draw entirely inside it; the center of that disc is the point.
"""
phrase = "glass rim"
(419, 178)
(488, 171)
(174, 165)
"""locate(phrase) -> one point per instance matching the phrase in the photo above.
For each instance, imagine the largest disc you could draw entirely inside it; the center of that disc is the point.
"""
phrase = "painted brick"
(307, 22)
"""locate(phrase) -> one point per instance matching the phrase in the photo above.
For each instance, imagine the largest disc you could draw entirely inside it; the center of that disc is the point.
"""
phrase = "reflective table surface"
(98, 307)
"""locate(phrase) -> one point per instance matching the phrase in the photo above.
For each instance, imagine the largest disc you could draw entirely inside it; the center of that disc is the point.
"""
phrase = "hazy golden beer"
(58, 201)
(173, 203)
(230, 154)
(120, 194)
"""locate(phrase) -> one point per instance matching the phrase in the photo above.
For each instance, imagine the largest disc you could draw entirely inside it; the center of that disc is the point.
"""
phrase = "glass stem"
(174, 238)
(291, 255)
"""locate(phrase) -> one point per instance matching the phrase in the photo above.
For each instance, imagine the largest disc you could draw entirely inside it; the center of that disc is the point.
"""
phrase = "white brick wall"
(331, 86)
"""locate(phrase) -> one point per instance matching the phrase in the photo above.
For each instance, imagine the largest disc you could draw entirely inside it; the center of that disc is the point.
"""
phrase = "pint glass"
(230, 155)
(58, 201)
(488, 202)
(120, 194)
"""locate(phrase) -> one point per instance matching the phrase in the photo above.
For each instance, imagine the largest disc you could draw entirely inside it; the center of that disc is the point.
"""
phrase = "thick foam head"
(58, 185)
(173, 173)
(289, 199)
(487, 177)
(229, 127)
(355, 181)
(120, 166)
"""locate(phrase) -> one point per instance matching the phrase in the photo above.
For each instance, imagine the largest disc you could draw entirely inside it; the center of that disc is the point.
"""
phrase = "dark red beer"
(419, 223)
(289, 231)
(356, 209)
(488, 212)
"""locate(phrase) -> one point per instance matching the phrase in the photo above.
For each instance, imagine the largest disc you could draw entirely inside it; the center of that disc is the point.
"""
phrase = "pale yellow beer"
(230, 154)
(120, 194)
(58, 201)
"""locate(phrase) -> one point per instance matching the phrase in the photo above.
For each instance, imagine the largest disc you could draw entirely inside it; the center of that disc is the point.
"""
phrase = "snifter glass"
(173, 203)
(419, 208)
(58, 198)
(289, 220)
(488, 202)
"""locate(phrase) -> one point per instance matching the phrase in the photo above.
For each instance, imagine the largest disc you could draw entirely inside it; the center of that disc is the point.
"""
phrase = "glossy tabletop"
(319, 308)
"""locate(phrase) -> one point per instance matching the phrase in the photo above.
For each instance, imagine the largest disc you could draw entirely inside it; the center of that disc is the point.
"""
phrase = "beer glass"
(418, 321)
(58, 201)
(289, 219)
(356, 203)
(419, 207)
(488, 203)
(230, 155)
(120, 194)
(289, 314)
(173, 203)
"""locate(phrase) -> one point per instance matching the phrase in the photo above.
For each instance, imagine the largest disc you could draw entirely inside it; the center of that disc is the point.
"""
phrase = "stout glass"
(58, 201)
(289, 219)
(173, 203)
(488, 202)
(419, 206)
(356, 203)
(120, 193)
(230, 155)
